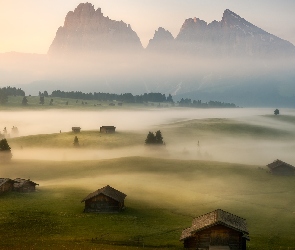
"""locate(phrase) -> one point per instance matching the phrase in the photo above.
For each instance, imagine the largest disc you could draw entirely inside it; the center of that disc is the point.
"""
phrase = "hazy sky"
(30, 25)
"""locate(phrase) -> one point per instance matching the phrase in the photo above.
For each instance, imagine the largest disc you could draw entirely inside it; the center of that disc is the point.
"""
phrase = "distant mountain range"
(230, 60)
(88, 30)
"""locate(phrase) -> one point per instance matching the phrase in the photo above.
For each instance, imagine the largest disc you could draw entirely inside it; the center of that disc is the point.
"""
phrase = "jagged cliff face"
(87, 30)
(162, 40)
(232, 36)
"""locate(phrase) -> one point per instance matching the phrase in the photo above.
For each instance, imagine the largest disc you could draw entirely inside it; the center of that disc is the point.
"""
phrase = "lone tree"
(153, 139)
(76, 142)
(25, 101)
(41, 100)
(5, 151)
(277, 112)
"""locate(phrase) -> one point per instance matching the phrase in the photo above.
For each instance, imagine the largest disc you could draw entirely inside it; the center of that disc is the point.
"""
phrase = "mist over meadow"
(250, 136)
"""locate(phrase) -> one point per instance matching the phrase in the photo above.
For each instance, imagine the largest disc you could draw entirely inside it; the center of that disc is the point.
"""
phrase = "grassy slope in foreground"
(163, 197)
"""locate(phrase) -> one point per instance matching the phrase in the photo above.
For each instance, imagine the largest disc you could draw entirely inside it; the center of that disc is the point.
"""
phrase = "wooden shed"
(76, 129)
(6, 185)
(24, 186)
(107, 129)
(104, 200)
(216, 230)
(279, 167)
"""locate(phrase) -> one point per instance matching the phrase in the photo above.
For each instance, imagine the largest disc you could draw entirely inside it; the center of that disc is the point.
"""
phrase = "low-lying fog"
(216, 148)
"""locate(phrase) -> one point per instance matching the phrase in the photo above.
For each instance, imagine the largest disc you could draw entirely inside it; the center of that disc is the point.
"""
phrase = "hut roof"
(4, 180)
(108, 127)
(279, 163)
(107, 191)
(217, 217)
(18, 182)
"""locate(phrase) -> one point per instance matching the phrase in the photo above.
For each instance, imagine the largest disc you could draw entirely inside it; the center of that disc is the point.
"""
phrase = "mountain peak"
(161, 38)
(88, 30)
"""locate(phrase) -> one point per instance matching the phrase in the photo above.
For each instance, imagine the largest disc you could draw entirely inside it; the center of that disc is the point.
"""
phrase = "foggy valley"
(184, 141)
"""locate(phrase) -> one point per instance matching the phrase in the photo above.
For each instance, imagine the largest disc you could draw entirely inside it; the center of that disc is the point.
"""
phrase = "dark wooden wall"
(8, 186)
(26, 188)
(103, 204)
(282, 170)
(216, 236)
(107, 130)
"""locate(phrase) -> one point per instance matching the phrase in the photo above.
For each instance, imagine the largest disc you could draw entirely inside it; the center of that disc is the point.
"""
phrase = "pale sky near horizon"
(30, 25)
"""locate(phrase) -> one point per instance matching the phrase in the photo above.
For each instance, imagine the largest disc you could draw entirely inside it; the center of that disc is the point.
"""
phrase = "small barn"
(216, 230)
(104, 200)
(6, 185)
(279, 167)
(24, 186)
(76, 129)
(107, 129)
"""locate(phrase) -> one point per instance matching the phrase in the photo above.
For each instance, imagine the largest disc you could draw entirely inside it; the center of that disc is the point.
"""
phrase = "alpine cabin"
(76, 129)
(107, 129)
(279, 167)
(216, 230)
(104, 200)
(24, 186)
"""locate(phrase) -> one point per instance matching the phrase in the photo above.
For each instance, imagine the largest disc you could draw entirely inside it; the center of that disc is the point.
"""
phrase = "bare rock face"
(88, 30)
(232, 36)
(162, 41)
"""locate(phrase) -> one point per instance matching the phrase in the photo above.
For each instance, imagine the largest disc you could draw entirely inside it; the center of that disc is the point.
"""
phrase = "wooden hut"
(216, 230)
(76, 129)
(107, 129)
(6, 185)
(24, 186)
(279, 167)
(104, 200)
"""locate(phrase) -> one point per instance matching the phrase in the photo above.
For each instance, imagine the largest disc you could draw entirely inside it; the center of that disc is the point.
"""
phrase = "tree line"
(9, 91)
(199, 104)
(126, 97)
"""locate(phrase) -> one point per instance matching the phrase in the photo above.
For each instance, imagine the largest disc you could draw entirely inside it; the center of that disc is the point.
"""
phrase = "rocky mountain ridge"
(87, 30)
(232, 36)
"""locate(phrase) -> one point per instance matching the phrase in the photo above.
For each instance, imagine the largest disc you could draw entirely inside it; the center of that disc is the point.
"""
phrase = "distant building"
(24, 186)
(6, 185)
(104, 200)
(112, 104)
(107, 129)
(216, 230)
(279, 167)
(76, 129)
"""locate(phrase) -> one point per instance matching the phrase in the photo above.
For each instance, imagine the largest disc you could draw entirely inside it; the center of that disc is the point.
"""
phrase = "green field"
(162, 198)
(165, 188)
(87, 139)
(15, 102)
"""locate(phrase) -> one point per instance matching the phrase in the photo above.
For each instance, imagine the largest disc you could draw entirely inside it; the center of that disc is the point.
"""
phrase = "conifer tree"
(5, 151)
(76, 142)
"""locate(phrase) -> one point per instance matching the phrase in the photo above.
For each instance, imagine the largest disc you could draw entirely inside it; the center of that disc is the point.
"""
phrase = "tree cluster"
(199, 104)
(276, 112)
(154, 139)
(126, 97)
(9, 91)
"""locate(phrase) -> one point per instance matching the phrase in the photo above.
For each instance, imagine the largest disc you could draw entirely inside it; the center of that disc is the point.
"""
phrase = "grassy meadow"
(162, 198)
(166, 188)
(15, 102)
